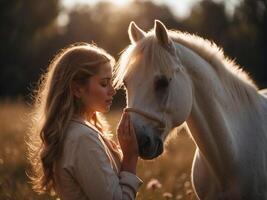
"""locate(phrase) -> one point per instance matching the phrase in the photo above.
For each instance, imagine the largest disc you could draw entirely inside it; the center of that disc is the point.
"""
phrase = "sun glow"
(179, 8)
(120, 3)
(71, 3)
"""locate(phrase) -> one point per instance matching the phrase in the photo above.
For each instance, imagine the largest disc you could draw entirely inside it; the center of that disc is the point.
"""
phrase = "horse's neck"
(211, 134)
(215, 122)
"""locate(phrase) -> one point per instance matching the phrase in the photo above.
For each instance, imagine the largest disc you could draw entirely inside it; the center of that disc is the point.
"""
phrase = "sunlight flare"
(118, 3)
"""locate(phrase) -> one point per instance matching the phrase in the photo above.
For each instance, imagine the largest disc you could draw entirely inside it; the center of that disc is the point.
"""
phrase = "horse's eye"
(161, 82)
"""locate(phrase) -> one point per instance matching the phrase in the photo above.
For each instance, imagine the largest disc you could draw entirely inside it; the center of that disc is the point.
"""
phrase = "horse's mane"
(206, 49)
(211, 53)
(237, 83)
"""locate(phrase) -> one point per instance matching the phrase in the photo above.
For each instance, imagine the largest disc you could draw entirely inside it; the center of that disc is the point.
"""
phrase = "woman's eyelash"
(104, 84)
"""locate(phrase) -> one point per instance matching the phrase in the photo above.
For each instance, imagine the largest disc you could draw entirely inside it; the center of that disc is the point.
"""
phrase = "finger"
(119, 124)
(127, 128)
(122, 123)
(130, 124)
(133, 135)
(119, 129)
(132, 131)
(122, 120)
(126, 125)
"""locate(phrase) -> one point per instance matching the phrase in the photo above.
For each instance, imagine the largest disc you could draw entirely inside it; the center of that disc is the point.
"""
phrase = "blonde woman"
(70, 151)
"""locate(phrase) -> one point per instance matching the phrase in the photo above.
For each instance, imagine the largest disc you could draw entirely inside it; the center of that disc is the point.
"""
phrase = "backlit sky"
(180, 8)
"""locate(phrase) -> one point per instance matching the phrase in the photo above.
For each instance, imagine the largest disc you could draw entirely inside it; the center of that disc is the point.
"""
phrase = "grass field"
(167, 177)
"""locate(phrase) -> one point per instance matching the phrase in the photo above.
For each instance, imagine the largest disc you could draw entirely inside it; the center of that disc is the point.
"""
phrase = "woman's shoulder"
(79, 130)
(79, 141)
(79, 137)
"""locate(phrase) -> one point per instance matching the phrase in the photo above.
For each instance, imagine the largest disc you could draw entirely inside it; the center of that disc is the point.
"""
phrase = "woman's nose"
(112, 91)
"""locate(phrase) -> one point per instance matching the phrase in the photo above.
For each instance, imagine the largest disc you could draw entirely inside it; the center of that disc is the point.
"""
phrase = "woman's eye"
(104, 84)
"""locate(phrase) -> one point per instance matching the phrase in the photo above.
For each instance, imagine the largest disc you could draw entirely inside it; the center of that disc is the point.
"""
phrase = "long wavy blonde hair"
(55, 105)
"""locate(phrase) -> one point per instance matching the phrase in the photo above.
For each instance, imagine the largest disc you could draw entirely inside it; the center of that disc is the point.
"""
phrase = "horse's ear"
(161, 33)
(135, 33)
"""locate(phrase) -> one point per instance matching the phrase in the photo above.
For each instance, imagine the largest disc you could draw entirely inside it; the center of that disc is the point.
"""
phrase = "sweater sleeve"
(93, 172)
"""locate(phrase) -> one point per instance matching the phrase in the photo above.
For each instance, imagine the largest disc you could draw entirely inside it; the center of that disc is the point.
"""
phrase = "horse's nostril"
(160, 147)
(150, 147)
(145, 142)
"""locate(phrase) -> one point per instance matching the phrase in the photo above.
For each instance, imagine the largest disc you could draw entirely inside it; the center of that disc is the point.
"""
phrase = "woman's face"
(98, 92)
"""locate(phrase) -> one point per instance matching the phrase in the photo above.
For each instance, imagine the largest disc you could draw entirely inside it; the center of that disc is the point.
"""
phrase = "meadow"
(166, 177)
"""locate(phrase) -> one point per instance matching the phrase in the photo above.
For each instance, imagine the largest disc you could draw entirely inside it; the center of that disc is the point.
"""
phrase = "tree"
(243, 36)
(22, 24)
(249, 35)
(209, 20)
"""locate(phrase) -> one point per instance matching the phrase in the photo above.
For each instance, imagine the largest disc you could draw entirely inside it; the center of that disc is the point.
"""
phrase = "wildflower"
(183, 176)
(153, 184)
(189, 192)
(179, 186)
(179, 197)
(167, 195)
(187, 184)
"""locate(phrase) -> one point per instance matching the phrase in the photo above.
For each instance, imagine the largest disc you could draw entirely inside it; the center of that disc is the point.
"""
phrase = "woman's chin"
(105, 110)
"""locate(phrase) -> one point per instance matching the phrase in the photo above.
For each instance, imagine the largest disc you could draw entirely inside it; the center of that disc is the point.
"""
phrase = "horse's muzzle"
(149, 148)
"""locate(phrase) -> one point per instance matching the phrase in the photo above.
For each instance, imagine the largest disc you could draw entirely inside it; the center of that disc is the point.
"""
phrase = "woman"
(72, 154)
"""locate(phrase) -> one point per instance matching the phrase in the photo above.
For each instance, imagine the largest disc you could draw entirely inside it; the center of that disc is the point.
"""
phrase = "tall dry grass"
(167, 177)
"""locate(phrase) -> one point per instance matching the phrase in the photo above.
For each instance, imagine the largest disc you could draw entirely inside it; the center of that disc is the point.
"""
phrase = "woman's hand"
(128, 143)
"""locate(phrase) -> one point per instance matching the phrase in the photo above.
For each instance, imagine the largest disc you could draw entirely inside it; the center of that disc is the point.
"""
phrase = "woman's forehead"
(105, 70)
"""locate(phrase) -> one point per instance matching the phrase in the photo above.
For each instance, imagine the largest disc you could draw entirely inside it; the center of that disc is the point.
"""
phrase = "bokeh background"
(32, 32)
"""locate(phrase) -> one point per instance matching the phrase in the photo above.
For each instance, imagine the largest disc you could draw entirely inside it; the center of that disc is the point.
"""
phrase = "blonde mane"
(211, 53)
(230, 73)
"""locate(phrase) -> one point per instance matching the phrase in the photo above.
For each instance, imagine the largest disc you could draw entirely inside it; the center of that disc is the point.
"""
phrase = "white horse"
(172, 78)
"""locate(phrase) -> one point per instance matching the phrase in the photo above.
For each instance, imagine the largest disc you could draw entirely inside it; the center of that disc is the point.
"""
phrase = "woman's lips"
(109, 101)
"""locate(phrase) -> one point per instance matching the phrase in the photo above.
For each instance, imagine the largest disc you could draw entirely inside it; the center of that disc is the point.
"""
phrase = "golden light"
(120, 3)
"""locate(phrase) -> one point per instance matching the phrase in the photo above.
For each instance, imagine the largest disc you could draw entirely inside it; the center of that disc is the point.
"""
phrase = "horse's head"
(159, 93)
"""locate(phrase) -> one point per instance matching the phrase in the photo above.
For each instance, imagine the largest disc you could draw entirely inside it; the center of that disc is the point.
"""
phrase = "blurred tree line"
(32, 32)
